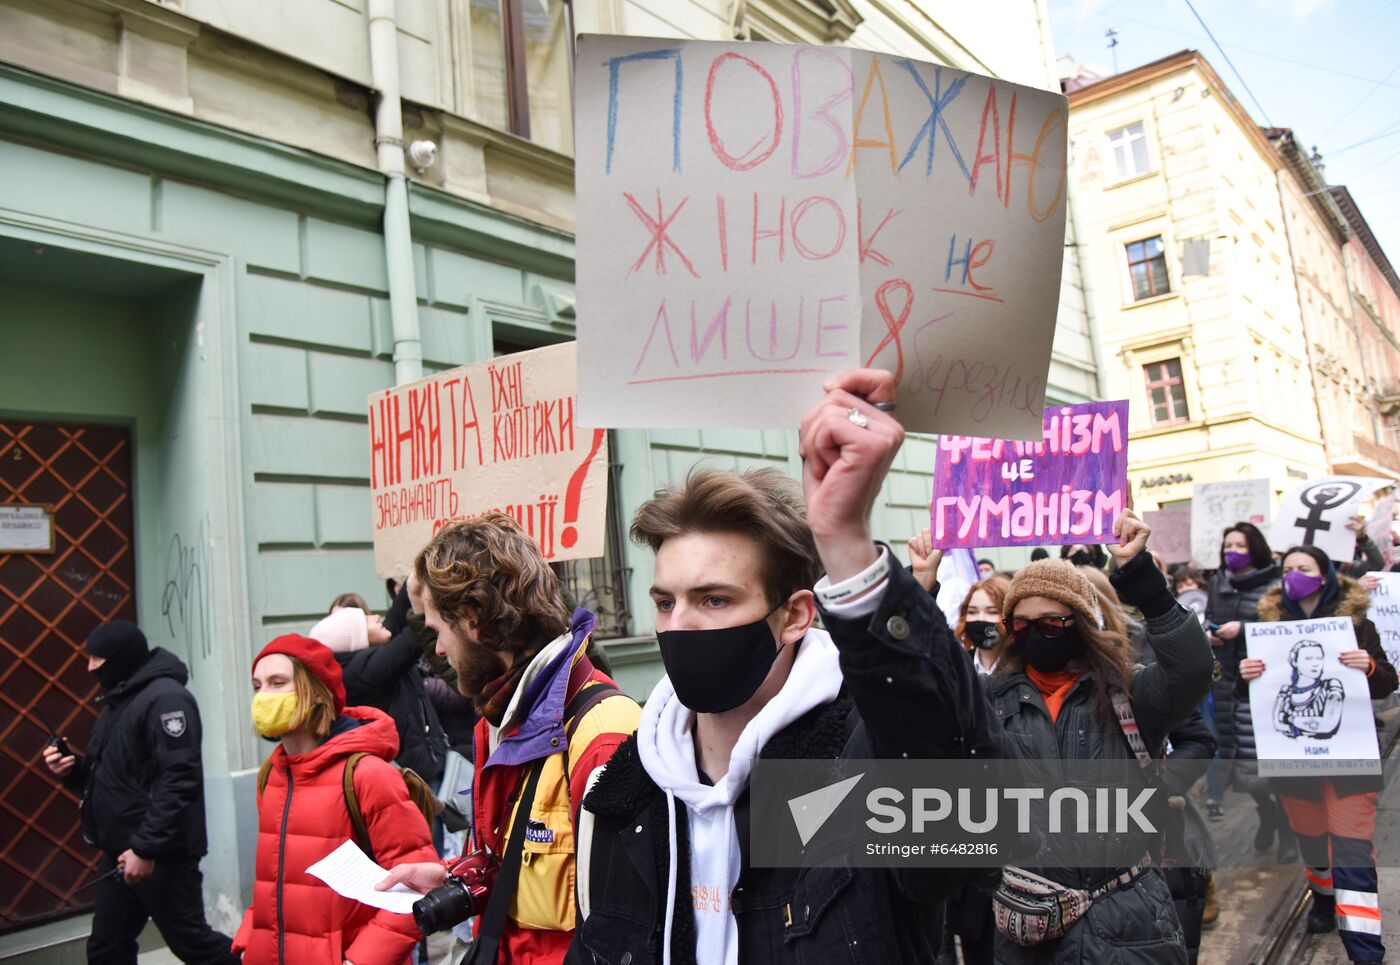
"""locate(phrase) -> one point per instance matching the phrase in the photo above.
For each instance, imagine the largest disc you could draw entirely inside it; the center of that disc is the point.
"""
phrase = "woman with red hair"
(979, 622)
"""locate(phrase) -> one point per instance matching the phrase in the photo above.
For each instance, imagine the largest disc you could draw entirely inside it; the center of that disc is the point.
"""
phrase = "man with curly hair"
(549, 719)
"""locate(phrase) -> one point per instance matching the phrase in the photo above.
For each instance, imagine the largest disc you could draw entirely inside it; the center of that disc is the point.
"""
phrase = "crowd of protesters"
(591, 830)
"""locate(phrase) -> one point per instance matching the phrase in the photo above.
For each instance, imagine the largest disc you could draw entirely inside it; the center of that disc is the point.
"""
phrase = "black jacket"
(142, 777)
(388, 677)
(909, 690)
(1236, 597)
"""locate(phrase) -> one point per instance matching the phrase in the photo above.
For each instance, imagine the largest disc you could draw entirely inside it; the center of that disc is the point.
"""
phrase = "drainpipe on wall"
(388, 143)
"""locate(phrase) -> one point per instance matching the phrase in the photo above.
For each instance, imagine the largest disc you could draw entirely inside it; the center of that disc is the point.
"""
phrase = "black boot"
(1268, 821)
(1322, 916)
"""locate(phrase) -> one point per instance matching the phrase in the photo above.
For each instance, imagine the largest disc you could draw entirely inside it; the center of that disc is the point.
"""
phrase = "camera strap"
(493, 919)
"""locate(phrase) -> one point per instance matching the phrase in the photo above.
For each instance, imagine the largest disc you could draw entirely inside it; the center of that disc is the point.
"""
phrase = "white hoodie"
(666, 743)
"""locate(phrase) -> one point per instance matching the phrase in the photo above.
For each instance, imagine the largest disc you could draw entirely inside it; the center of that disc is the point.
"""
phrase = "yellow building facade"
(1184, 242)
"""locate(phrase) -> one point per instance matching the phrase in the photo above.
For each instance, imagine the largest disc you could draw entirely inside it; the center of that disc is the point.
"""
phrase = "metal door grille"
(49, 604)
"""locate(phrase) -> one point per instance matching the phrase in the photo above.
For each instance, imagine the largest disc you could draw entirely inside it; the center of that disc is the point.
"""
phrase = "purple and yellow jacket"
(534, 733)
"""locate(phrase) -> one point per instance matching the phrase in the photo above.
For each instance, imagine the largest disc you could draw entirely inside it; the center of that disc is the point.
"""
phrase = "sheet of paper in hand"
(1317, 513)
(754, 217)
(353, 874)
(502, 435)
(1312, 715)
(1068, 487)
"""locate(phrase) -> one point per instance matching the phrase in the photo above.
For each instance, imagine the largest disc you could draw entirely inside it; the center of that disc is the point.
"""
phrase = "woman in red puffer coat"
(302, 816)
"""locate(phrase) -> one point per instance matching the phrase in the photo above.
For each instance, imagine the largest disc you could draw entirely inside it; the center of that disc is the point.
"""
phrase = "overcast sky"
(1329, 69)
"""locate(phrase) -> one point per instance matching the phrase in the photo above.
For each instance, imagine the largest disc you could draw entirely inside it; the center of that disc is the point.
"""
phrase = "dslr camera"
(463, 895)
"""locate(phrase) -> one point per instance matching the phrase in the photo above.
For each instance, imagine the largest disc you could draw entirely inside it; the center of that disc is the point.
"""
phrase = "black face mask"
(1081, 558)
(1049, 654)
(981, 633)
(718, 670)
(119, 668)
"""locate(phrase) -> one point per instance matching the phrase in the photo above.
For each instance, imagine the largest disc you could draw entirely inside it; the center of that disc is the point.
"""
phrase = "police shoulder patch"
(173, 723)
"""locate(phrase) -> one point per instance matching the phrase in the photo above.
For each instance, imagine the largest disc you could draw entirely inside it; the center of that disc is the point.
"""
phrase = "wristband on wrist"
(829, 593)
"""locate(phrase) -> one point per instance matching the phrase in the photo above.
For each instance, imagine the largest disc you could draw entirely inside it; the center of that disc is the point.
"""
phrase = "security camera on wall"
(422, 155)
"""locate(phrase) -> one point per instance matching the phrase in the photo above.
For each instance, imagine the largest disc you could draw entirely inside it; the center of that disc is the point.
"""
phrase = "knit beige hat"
(1058, 580)
(344, 631)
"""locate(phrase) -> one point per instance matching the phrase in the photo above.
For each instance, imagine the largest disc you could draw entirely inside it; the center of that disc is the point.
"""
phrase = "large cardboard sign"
(753, 217)
(1317, 513)
(1385, 614)
(1307, 706)
(1067, 488)
(1214, 506)
(1171, 533)
(501, 435)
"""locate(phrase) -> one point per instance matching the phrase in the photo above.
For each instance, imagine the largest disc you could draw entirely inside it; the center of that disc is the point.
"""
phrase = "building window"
(1147, 263)
(1129, 148)
(1166, 392)
(520, 68)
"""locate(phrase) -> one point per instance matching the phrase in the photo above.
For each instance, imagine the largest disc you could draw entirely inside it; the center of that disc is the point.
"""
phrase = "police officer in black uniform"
(142, 782)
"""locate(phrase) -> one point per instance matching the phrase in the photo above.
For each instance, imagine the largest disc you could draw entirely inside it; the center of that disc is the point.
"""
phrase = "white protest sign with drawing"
(1308, 707)
(753, 217)
(1214, 506)
(1317, 513)
(501, 435)
(1385, 614)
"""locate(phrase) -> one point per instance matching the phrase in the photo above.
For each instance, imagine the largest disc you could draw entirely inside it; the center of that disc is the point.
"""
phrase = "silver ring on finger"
(857, 417)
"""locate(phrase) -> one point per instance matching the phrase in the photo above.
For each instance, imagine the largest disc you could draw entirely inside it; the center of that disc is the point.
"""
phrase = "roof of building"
(1362, 230)
(1086, 93)
(1311, 181)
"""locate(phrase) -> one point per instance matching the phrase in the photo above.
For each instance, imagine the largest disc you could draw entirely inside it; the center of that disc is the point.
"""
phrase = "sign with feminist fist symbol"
(755, 217)
(1317, 512)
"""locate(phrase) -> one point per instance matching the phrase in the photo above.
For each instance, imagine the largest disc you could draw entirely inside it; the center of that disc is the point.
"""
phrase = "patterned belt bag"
(1031, 909)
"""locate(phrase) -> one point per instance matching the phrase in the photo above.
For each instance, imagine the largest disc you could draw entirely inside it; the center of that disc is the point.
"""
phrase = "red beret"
(315, 657)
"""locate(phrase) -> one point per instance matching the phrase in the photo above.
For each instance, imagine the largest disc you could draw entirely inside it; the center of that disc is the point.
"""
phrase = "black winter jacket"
(388, 677)
(141, 776)
(909, 690)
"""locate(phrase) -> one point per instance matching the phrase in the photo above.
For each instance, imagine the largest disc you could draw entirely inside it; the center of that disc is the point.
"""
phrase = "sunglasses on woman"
(1049, 627)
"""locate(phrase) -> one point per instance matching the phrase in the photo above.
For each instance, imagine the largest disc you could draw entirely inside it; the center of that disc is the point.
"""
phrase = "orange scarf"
(1054, 687)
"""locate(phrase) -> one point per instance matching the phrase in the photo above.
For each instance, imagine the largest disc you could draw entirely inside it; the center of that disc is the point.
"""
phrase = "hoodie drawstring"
(670, 877)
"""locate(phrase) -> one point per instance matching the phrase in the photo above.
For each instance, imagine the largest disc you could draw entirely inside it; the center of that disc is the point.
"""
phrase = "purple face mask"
(1235, 562)
(1299, 586)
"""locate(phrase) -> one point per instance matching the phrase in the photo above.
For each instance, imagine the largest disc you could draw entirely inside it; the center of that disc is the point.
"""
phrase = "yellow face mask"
(273, 714)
